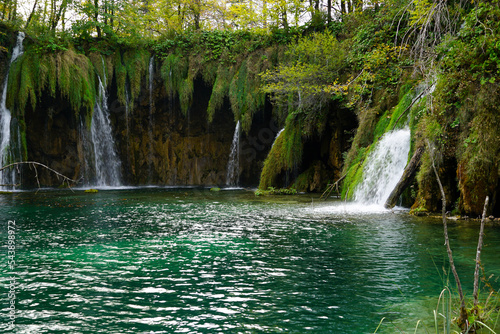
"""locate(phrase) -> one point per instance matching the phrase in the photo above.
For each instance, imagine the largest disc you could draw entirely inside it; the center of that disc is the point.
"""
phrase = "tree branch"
(463, 319)
(478, 256)
(34, 164)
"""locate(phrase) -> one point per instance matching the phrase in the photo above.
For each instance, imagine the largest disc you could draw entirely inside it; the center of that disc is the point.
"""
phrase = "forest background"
(431, 64)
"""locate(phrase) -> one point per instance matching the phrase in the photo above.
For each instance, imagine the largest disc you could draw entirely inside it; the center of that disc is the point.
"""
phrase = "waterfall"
(277, 135)
(106, 161)
(384, 167)
(233, 165)
(151, 107)
(151, 75)
(6, 154)
(127, 111)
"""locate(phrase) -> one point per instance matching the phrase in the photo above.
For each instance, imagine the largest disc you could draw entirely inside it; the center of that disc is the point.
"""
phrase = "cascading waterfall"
(233, 165)
(385, 166)
(127, 112)
(106, 161)
(151, 107)
(277, 135)
(151, 77)
(7, 153)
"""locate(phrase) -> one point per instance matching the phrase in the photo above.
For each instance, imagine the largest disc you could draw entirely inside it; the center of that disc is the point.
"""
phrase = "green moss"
(175, 74)
(369, 133)
(220, 89)
(174, 69)
(393, 119)
(354, 174)
(314, 178)
(233, 77)
(244, 92)
(285, 154)
(136, 62)
(69, 73)
(24, 143)
(478, 151)
(186, 89)
(274, 191)
(210, 71)
(121, 78)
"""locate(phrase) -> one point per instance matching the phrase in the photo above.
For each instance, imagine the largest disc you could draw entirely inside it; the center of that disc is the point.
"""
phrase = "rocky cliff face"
(160, 144)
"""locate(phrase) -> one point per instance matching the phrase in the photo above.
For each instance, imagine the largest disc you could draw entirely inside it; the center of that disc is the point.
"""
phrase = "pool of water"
(194, 261)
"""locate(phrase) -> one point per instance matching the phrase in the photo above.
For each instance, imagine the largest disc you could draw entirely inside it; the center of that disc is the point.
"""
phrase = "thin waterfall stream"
(106, 160)
(277, 135)
(6, 152)
(151, 121)
(233, 165)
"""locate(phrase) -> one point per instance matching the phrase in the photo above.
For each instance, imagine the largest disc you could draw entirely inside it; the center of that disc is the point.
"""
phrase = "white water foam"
(106, 160)
(7, 177)
(233, 165)
(383, 169)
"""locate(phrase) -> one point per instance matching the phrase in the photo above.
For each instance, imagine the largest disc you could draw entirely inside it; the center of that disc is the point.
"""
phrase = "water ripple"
(196, 262)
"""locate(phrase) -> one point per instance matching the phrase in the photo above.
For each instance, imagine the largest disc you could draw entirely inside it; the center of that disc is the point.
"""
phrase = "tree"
(308, 81)
(9, 10)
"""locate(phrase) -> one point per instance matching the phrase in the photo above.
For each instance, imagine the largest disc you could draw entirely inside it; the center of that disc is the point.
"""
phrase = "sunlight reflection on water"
(199, 262)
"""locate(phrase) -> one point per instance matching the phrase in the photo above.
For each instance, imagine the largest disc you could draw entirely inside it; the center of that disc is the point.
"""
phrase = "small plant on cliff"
(275, 191)
(67, 74)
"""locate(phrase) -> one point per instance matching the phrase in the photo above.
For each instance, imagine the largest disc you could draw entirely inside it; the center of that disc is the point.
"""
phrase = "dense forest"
(181, 75)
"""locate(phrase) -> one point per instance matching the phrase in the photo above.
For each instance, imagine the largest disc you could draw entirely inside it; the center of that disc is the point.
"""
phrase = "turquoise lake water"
(194, 261)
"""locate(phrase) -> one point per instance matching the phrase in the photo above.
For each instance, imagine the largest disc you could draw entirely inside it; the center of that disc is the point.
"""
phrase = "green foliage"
(231, 68)
(220, 89)
(136, 62)
(120, 72)
(48, 43)
(67, 73)
(224, 46)
(285, 154)
(354, 173)
(244, 93)
(389, 121)
(464, 119)
(174, 69)
(275, 191)
(308, 79)
(175, 72)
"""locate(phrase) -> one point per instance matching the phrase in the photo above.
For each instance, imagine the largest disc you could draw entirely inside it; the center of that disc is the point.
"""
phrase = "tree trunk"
(196, 14)
(406, 179)
(31, 15)
(12, 10)
(96, 17)
(478, 256)
(462, 321)
(112, 16)
(60, 13)
(329, 11)
(4, 7)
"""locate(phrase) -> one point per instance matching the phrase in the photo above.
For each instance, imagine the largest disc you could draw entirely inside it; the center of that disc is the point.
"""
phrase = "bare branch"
(34, 164)
(478, 255)
(463, 319)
